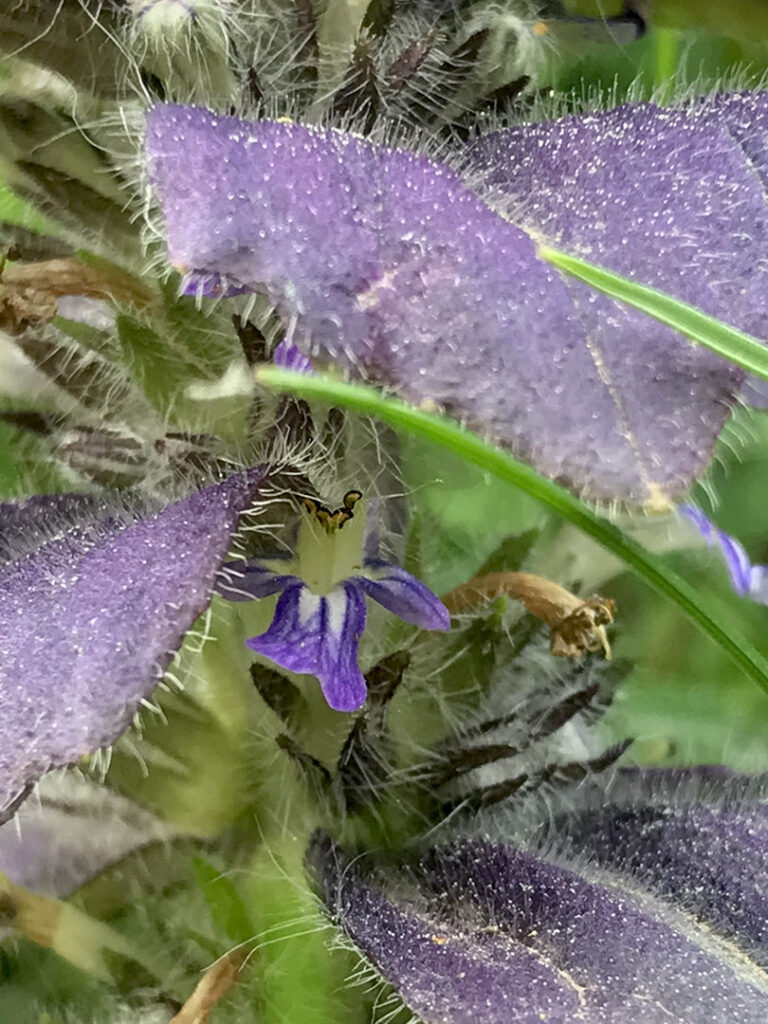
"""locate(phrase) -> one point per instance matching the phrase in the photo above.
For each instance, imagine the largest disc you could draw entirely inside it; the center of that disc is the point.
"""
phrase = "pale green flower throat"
(330, 543)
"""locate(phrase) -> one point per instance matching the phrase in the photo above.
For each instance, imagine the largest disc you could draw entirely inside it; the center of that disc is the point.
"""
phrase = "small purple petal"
(747, 580)
(319, 636)
(246, 581)
(482, 932)
(210, 285)
(404, 595)
(91, 612)
(289, 357)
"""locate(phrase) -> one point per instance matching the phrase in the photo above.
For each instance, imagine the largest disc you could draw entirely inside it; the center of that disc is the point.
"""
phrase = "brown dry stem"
(28, 291)
(217, 981)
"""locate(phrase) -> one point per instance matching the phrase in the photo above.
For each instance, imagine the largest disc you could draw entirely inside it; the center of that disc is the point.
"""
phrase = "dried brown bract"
(28, 291)
(217, 981)
(576, 625)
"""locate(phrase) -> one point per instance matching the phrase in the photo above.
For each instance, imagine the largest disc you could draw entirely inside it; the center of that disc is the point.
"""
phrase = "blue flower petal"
(404, 595)
(747, 580)
(289, 357)
(319, 635)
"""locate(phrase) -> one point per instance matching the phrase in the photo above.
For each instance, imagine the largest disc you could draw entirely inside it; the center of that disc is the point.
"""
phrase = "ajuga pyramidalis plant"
(278, 743)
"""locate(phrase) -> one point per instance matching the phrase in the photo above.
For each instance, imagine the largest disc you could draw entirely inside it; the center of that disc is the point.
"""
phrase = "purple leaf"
(94, 602)
(744, 115)
(73, 832)
(388, 264)
(480, 931)
(704, 850)
(669, 200)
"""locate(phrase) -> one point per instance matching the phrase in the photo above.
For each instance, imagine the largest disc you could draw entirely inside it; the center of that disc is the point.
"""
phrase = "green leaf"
(737, 347)
(88, 337)
(449, 435)
(510, 554)
(458, 507)
(224, 903)
(14, 210)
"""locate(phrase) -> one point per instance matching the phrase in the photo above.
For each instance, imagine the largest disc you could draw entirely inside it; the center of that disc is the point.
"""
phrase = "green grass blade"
(666, 50)
(449, 435)
(735, 346)
(14, 210)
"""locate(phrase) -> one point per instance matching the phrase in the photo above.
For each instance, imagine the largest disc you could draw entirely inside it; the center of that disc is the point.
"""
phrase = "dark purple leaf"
(705, 849)
(480, 931)
(32, 522)
(389, 265)
(94, 602)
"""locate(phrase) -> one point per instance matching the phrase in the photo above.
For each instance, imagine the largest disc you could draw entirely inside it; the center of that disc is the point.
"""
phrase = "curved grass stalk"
(749, 353)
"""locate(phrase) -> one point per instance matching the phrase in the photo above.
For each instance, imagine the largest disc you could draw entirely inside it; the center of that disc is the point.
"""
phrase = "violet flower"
(321, 613)
(747, 580)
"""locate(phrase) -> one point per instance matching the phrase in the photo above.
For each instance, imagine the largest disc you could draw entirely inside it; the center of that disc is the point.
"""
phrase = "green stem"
(449, 435)
(666, 47)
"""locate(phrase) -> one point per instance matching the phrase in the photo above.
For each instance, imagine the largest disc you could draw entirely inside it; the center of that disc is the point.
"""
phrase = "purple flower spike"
(747, 580)
(392, 266)
(651, 912)
(94, 601)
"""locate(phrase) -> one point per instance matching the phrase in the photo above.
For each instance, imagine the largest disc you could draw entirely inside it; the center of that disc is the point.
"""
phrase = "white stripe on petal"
(308, 605)
(337, 611)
